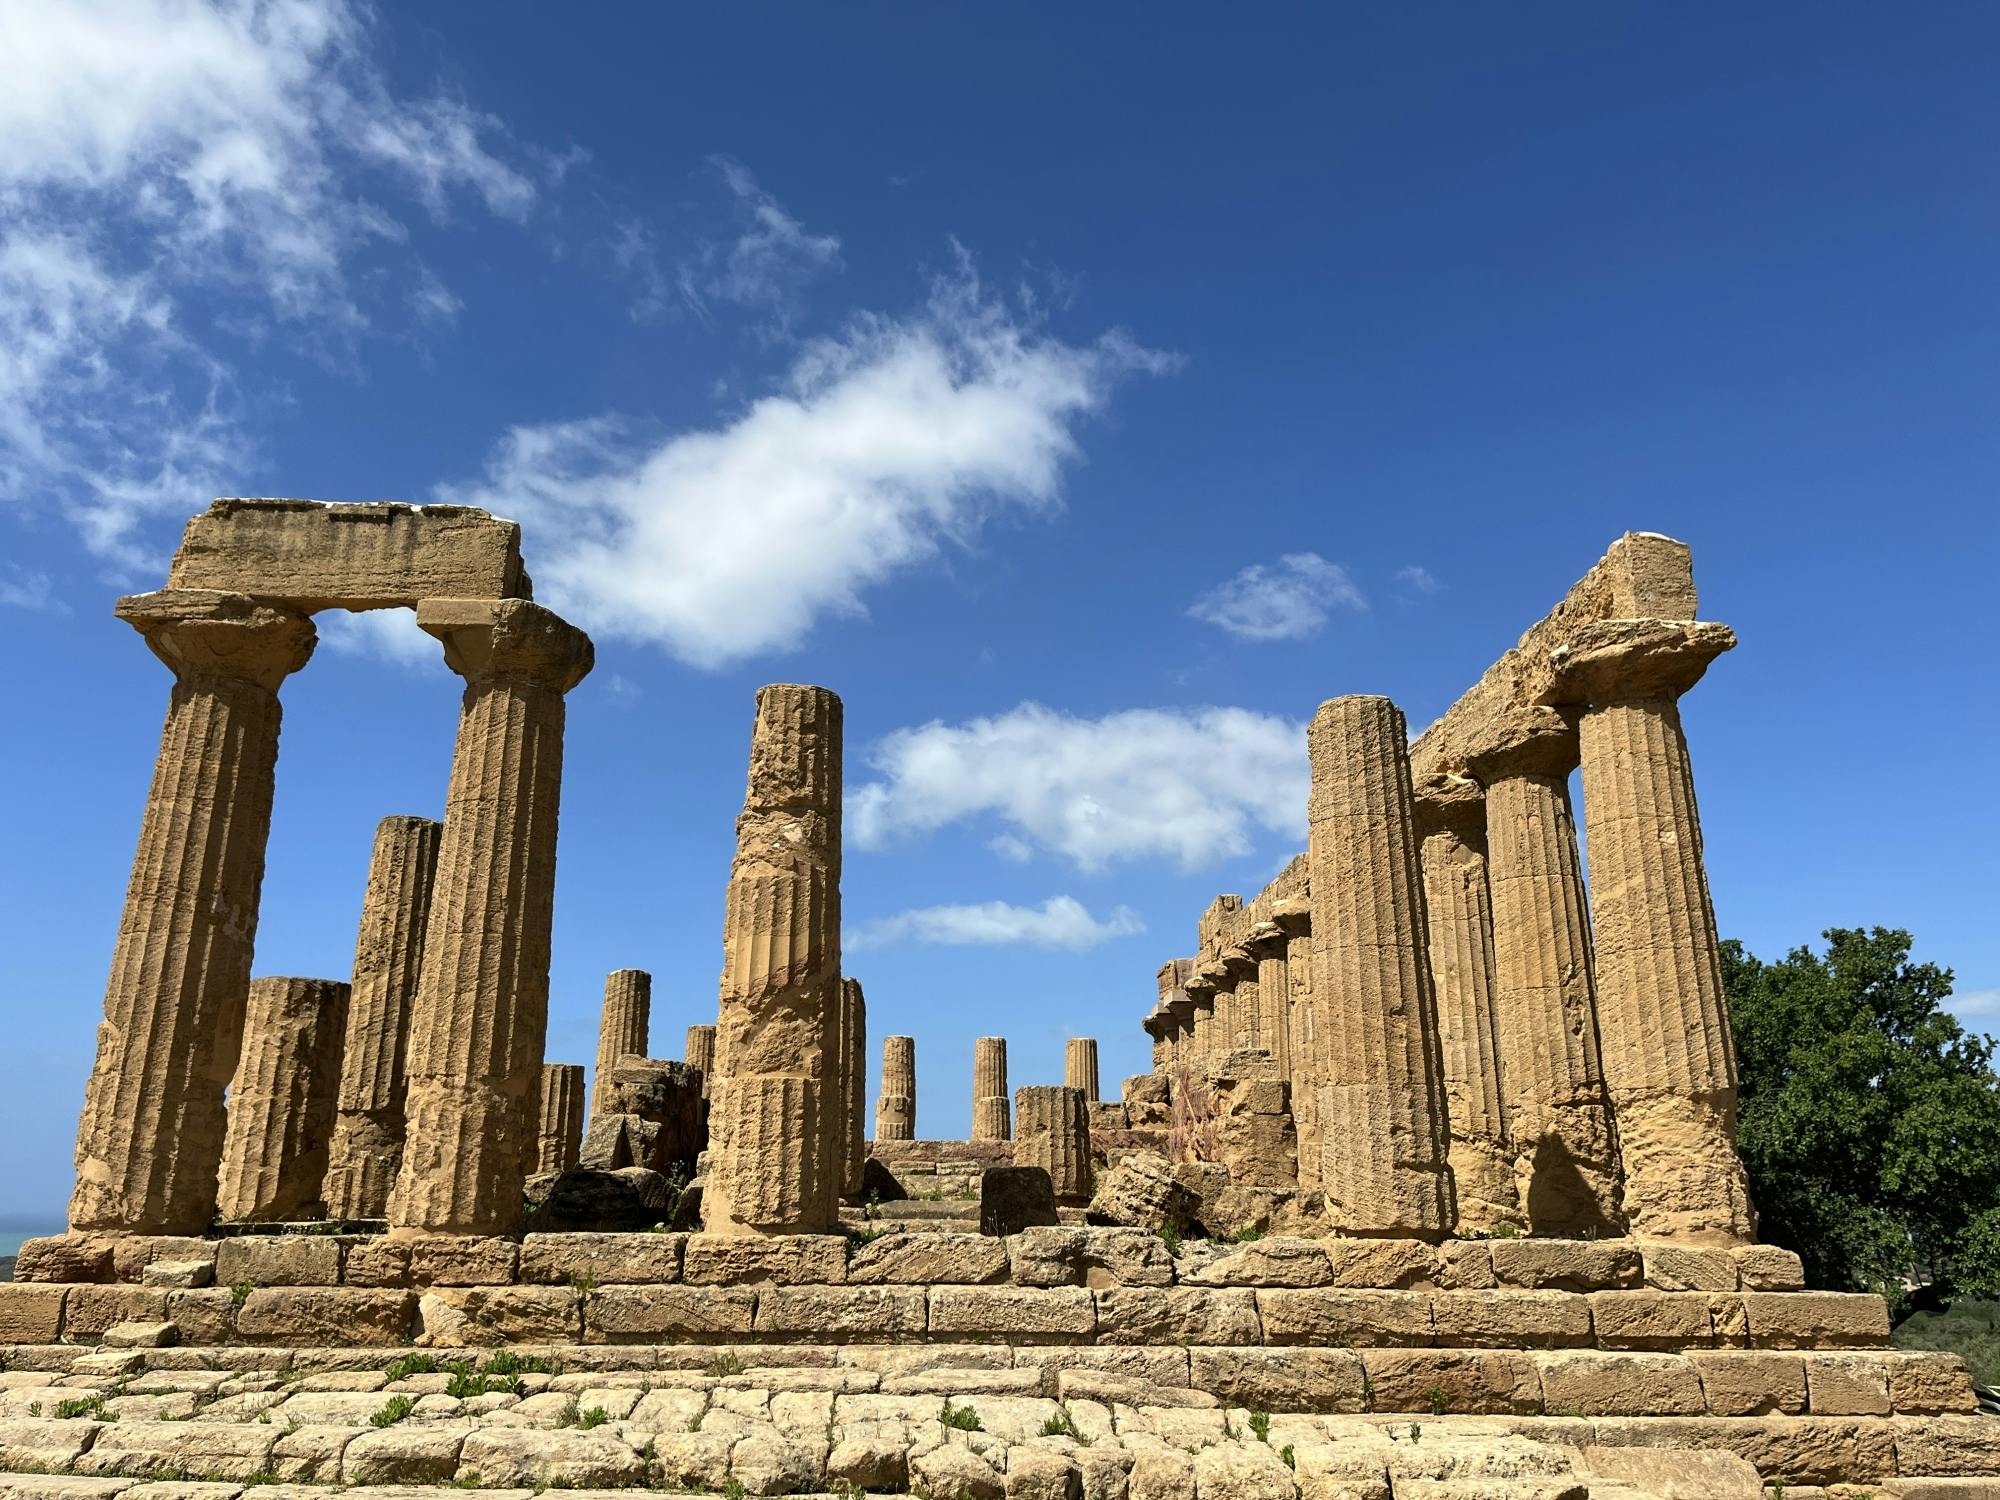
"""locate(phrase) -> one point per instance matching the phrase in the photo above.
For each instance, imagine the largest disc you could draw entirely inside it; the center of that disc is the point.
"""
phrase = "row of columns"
(150, 1144)
(1472, 1041)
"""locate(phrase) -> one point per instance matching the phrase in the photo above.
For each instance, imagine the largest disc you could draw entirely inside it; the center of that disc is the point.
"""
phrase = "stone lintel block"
(340, 1317)
(1846, 1385)
(1175, 1315)
(1511, 1320)
(1462, 1381)
(1947, 1447)
(278, 1260)
(632, 1259)
(1816, 1320)
(462, 1260)
(1768, 1268)
(929, 1259)
(1591, 1384)
(782, 1260)
(1689, 1268)
(1288, 1380)
(1388, 1265)
(666, 1314)
(1354, 1318)
(1567, 1265)
(1651, 1320)
(1923, 1383)
(837, 1314)
(314, 556)
(65, 1257)
(30, 1313)
(90, 1310)
(1750, 1382)
(1026, 1314)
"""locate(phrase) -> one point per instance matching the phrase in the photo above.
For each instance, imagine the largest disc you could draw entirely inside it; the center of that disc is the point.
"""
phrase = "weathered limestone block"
(1142, 1190)
(622, 1027)
(481, 1015)
(313, 556)
(1381, 1109)
(896, 1109)
(990, 1112)
(1566, 1151)
(1254, 1137)
(1052, 1131)
(1669, 1058)
(281, 1101)
(854, 1087)
(666, 1096)
(152, 1127)
(562, 1117)
(367, 1144)
(590, 1200)
(1080, 1066)
(1451, 819)
(775, 1105)
(1012, 1199)
(700, 1053)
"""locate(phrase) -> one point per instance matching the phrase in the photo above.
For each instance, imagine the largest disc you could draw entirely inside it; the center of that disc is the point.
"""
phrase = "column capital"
(1265, 940)
(1293, 916)
(1531, 741)
(1238, 962)
(205, 632)
(486, 638)
(1451, 804)
(1200, 988)
(1629, 661)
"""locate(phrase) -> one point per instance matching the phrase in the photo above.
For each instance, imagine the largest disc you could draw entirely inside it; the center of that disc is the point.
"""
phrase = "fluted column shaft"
(623, 1027)
(367, 1145)
(1559, 1120)
(1246, 1005)
(1080, 1066)
(700, 1053)
(561, 1134)
(1383, 1126)
(774, 1108)
(896, 1109)
(1302, 1041)
(281, 1101)
(481, 1015)
(1452, 822)
(1052, 1131)
(150, 1139)
(1669, 1057)
(854, 1107)
(990, 1121)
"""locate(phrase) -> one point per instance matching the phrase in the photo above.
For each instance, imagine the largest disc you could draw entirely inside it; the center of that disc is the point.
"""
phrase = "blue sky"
(1084, 394)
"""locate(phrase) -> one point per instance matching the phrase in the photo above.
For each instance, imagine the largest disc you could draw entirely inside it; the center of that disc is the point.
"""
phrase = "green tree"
(1870, 1119)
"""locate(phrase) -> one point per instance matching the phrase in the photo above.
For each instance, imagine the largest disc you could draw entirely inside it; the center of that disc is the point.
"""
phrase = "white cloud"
(1419, 579)
(1284, 602)
(241, 149)
(23, 589)
(1188, 785)
(389, 633)
(1977, 1009)
(1060, 922)
(883, 444)
(769, 261)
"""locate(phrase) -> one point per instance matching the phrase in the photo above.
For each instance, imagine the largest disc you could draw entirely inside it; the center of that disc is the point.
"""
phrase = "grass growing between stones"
(595, 1416)
(1260, 1426)
(393, 1411)
(411, 1364)
(959, 1418)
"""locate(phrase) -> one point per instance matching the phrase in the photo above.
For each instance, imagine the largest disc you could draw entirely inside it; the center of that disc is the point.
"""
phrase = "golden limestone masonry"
(1429, 1190)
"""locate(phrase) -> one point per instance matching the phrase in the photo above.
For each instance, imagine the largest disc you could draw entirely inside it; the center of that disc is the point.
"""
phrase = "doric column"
(775, 1103)
(855, 1079)
(1246, 1014)
(1293, 917)
(1451, 819)
(281, 1101)
(896, 1109)
(1158, 1028)
(561, 1118)
(989, 1089)
(833, 1096)
(1052, 1131)
(1202, 1030)
(1559, 1123)
(1267, 944)
(150, 1139)
(622, 1027)
(367, 1145)
(700, 1053)
(1669, 1058)
(1080, 1066)
(482, 1011)
(1382, 1122)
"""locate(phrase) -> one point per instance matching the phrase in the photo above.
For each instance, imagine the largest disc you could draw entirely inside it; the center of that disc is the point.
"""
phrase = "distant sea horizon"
(17, 1227)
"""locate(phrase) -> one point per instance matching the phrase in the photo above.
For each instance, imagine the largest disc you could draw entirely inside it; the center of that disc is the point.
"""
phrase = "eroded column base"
(1683, 1178)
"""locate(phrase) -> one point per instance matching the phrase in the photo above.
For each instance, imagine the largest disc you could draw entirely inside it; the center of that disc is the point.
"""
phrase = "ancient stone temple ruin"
(1430, 1189)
